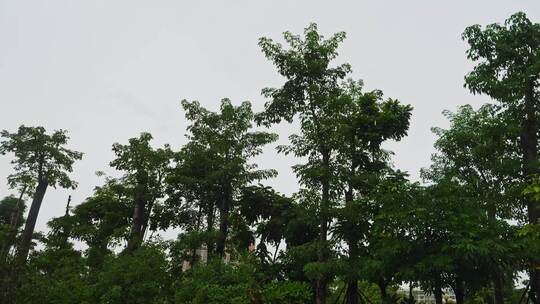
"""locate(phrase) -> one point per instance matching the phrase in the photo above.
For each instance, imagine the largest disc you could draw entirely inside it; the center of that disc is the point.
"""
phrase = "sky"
(108, 70)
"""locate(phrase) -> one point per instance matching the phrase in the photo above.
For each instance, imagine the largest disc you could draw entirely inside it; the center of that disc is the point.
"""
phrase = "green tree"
(508, 70)
(141, 277)
(270, 213)
(56, 274)
(388, 249)
(193, 197)
(102, 220)
(480, 151)
(366, 121)
(145, 169)
(43, 160)
(225, 142)
(310, 94)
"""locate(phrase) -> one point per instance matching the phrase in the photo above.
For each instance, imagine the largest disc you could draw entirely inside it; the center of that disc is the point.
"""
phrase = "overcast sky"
(108, 70)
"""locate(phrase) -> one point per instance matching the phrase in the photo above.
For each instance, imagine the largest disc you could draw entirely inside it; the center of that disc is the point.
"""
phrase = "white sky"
(108, 70)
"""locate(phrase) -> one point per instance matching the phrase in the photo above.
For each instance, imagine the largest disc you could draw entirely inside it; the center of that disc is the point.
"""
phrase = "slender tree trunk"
(194, 249)
(322, 281)
(276, 251)
(498, 289)
(384, 294)
(209, 228)
(438, 290)
(352, 284)
(460, 291)
(138, 217)
(28, 232)
(146, 220)
(529, 140)
(352, 292)
(223, 221)
(497, 275)
(411, 297)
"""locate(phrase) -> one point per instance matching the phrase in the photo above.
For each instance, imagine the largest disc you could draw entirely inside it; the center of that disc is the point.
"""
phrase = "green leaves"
(39, 156)
(242, 282)
(226, 140)
(507, 56)
(144, 165)
(311, 81)
(213, 167)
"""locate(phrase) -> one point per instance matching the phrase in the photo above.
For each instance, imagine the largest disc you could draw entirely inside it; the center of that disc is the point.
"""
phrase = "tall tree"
(145, 169)
(193, 196)
(225, 141)
(366, 122)
(42, 159)
(508, 70)
(480, 150)
(310, 94)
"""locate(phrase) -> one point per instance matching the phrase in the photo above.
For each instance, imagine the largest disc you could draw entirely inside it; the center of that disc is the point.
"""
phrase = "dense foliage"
(359, 230)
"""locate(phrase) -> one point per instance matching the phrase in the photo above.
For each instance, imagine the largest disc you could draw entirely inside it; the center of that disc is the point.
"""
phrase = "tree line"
(358, 229)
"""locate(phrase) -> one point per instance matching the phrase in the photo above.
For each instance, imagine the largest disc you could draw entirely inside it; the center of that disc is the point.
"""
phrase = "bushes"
(139, 278)
(235, 283)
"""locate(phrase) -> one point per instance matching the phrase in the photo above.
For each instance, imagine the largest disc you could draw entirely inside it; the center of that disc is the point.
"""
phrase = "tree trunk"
(352, 284)
(223, 221)
(384, 294)
(352, 292)
(498, 288)
(194, 249)
(438, 290)
(209, 228)
(529, 140)
(28, 232)
(146, 219)
(321, 290)
(497, 275)
(459, 291)
(138, 217)
(411, 297)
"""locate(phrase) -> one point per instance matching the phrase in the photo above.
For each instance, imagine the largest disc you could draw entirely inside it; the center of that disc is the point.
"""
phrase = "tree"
(365, 122)
(508, 70)
(310, 94)
(480, 151)
(270, 213)
(193, 197)
(139, 278)
(224, 141)
(145, 169)
(41, 159)
(387, 247)
(58, 272)
(102, 220)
